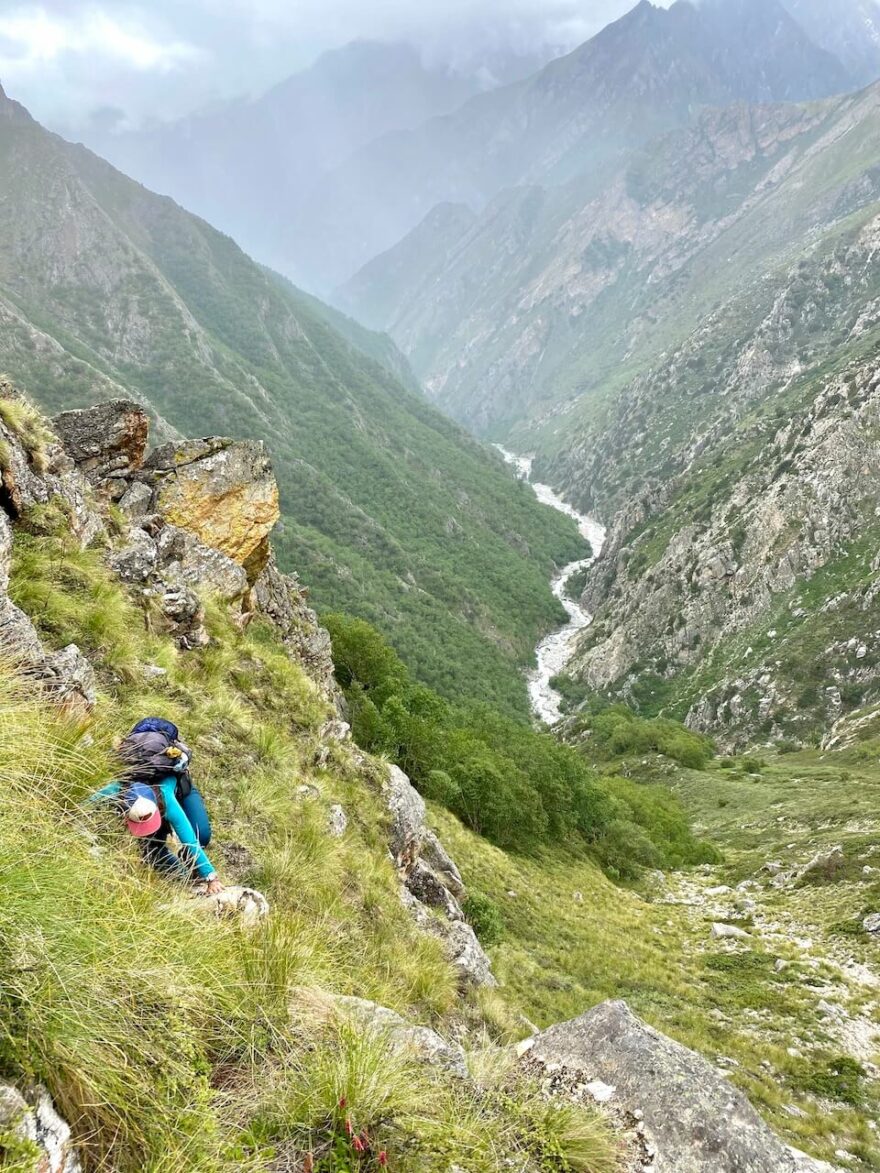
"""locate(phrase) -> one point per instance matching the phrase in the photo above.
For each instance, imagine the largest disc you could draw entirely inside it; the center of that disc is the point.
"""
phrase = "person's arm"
(183, 829)
(109, 791)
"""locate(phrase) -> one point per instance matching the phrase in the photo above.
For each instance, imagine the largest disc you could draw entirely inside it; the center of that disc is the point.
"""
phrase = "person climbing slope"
(157, 798)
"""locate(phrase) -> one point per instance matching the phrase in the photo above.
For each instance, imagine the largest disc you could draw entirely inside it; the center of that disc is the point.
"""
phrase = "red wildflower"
(342, 1103)
(382, 1158)
(359, 1146)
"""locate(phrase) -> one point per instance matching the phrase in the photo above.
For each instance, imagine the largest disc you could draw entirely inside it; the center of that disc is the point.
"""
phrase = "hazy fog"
(71, 61)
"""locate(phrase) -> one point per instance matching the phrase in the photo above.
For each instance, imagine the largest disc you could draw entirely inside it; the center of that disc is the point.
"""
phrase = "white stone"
(601, 1092)
(724, 932)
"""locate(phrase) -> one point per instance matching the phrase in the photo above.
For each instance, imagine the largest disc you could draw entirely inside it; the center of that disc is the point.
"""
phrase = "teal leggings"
(159, 855)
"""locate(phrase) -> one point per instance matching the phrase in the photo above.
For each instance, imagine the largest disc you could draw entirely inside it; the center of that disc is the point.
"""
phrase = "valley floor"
(791, 1011)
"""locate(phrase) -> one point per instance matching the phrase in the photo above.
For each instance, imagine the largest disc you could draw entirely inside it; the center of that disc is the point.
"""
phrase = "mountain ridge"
(106, 288)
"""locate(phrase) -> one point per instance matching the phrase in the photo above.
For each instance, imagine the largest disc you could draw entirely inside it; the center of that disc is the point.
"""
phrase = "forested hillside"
(389, 510)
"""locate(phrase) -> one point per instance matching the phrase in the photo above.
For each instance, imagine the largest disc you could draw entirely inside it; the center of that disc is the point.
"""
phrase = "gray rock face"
(441, 864)
(137, 500)
(468, 956)
(337, 822)
(419, 1041)
(106, 442)
(280, 598)
(135, 562)
(70, 676)
(427, 887)
(223, 491)
(184, 558)
(696, 1121)
(34, 1119)
(407, 809)
(31, 479)
(431, 880)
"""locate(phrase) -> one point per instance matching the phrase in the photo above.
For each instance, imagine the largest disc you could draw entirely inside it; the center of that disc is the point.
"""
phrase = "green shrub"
(839, 1077)
(484, 916)
(618, 732)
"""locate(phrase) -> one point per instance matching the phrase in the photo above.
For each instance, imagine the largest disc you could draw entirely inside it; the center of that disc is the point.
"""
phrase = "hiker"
(157, 797)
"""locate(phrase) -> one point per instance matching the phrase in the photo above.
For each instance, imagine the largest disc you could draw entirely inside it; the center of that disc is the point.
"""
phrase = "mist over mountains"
(337, 164)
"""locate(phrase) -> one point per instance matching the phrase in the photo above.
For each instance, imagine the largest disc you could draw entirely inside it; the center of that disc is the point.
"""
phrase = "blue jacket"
(175, 815)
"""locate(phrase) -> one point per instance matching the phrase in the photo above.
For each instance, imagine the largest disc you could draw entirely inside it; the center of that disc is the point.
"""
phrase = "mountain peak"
(10, 110)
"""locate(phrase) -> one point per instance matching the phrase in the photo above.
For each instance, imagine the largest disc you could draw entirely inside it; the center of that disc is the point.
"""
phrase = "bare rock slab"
(694, 1119)
(224, 491)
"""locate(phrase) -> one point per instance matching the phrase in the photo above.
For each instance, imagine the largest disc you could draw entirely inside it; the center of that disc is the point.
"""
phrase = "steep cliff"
(738, 586)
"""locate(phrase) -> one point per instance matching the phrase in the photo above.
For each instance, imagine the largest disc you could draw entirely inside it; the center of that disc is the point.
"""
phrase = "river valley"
(557, 648)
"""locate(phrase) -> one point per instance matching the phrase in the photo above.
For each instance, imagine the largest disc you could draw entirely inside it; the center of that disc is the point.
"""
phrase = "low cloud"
(68, 59)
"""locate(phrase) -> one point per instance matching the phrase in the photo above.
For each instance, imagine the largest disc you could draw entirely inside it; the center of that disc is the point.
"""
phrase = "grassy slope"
(180, 1044)
(390, 511)
(652, 946)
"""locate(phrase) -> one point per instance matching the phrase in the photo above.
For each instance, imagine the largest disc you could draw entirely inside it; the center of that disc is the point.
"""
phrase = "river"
(556, 649)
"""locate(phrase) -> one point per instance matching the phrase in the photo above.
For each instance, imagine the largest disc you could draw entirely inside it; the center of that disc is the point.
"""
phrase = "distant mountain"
(245, 166)
(552, 300)
(389, 510)
(641, 76)
(850, 29)
(242, 165)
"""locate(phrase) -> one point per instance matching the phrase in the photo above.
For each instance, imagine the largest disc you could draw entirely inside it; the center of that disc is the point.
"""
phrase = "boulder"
(183, 613)
(337, 822)
(468, 956)
(223, 491)
(136, 501)
(693, 1118)
(135, 561)
(420, 1041)
(106, 442)
(723, 932)
(69, 677)
(407, 809)
(871, 923)
(825, 864)
(33, 1121)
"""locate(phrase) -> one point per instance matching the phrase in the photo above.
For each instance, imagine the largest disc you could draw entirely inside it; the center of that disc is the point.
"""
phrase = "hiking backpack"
(153, 751)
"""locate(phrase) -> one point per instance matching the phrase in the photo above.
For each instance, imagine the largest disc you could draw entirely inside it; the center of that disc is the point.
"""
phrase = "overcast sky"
(66, 59)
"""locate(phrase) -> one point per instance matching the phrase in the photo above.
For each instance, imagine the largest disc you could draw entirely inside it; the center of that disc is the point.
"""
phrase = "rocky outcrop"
(107, 443)
(693, 1119)
(420, 1041)
(65, 674)
(221, 490)
(32, 1133)
(431, 883)
(200, 513)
